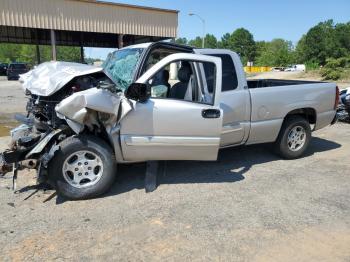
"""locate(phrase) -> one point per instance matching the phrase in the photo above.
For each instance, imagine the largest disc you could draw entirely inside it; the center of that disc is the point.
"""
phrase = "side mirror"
(139, 92)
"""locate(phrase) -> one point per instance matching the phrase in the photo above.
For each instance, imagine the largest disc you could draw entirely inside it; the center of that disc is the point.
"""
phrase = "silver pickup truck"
(156, 101)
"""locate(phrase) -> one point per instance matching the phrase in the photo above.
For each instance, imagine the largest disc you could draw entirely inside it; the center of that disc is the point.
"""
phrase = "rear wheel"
(294, 137)
(84, 167)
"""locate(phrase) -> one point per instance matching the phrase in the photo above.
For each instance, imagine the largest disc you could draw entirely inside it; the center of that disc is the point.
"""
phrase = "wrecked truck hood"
(49, 77)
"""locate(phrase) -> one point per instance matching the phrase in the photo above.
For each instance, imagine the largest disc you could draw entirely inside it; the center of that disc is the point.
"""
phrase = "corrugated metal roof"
(128, 5)
(89, 16)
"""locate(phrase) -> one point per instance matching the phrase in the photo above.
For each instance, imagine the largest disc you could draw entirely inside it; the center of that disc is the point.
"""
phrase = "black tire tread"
(280, 147)
(67, 191)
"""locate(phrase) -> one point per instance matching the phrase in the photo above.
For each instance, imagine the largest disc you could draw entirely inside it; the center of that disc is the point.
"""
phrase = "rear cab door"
(169, 128)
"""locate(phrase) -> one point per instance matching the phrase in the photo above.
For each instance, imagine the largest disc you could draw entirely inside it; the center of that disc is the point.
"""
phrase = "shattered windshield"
(121, 66)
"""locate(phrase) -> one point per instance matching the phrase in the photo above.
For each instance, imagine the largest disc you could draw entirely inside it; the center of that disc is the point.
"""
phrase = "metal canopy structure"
(23, 35)
(84, 23)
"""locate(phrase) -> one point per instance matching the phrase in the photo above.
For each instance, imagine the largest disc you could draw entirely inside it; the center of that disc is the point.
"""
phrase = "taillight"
(336, 102)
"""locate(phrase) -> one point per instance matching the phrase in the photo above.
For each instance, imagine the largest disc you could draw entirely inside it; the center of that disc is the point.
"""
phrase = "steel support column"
(120, 41)
(53, 45)
(82, 59)
(37, 47)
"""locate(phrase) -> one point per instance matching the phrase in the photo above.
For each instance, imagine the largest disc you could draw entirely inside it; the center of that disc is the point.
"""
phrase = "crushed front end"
(35, 141)
(32, 146)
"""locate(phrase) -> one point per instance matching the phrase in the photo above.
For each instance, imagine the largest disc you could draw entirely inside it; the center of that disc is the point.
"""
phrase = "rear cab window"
(229, 75)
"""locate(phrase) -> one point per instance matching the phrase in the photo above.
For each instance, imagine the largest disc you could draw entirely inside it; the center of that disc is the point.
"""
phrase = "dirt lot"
(248, 206)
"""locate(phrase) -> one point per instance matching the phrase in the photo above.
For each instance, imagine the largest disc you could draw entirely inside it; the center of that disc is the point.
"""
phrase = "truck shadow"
(230, 167)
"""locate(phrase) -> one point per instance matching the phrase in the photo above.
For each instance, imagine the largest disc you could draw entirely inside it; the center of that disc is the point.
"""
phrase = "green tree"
(342, 34)
(181, 41)
(278, 52)
(68, 53)
(240, 41)
(45, 53)
(335, 68)
(197, 42)
(210, 41)
(260, 48)
(300, 50)
(225, 41)
(9, 52)
(27, 53)
(324, 41)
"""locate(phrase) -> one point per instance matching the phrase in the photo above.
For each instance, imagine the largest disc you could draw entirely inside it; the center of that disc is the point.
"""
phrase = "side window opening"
(180, 80)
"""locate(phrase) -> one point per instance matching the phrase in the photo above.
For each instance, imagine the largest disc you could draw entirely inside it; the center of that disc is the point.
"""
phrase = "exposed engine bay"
(41, 109)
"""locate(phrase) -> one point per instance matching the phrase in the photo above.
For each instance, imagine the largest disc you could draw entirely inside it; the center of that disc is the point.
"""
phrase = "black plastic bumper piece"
(11, 156)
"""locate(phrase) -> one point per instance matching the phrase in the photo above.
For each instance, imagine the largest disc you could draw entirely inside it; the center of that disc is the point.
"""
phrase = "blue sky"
(265, 19)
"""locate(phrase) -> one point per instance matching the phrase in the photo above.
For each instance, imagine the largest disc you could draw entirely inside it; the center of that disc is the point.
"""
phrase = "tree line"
(27, 53)
(322, 43)
(327, 45)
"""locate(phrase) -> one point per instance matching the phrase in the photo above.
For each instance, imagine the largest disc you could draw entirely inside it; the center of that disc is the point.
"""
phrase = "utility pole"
(203, 23)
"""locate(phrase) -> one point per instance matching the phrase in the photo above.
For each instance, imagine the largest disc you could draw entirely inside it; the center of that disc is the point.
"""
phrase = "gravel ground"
(12, 99)
(248, 206)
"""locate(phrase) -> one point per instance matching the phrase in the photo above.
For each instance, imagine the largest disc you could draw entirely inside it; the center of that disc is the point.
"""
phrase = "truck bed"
(270, 105)
(259, 83)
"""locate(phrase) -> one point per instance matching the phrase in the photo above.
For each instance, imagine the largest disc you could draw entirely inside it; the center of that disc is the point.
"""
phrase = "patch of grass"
(336, 69)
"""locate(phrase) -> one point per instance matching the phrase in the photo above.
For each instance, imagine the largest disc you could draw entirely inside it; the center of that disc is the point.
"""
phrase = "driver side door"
(165, 128)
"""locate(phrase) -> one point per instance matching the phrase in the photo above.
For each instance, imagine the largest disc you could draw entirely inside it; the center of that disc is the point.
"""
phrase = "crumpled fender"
(43, 142)
(80, 109)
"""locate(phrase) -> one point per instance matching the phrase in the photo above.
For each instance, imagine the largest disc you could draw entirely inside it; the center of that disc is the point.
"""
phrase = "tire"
(84, 167)
(294, 138)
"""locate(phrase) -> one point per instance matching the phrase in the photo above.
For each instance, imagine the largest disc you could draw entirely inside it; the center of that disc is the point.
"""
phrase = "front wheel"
(294, 138)
(84, 167)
